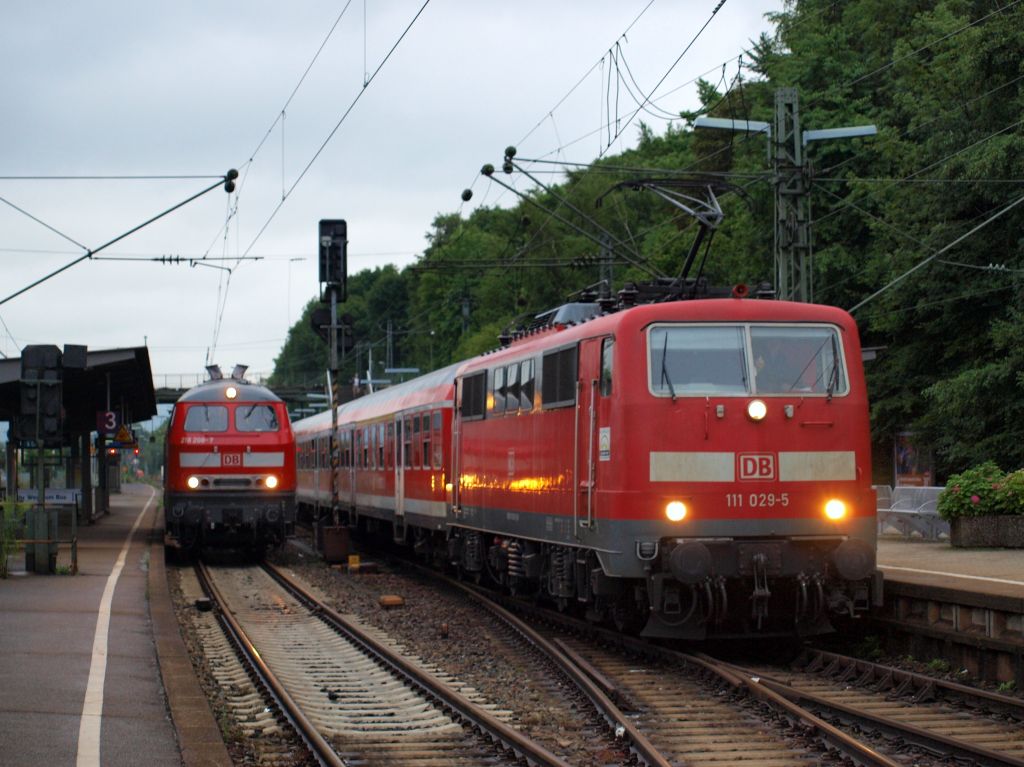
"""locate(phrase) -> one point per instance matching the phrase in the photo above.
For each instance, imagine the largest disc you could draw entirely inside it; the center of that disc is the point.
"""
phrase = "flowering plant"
(982, 491)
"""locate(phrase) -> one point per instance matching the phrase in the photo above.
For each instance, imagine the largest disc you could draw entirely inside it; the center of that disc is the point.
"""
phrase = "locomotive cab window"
(607, 358)
(743, 359)
(256, 418)
(804, 360)
(206, 418)
(688, 359)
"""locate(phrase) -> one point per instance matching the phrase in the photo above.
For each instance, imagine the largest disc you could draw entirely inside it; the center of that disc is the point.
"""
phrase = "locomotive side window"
(474, 396)
(512, 387)
(607, 357)
(526, 386)
(688, 359)
(498, 391)
(255, 418)
(558, 378)
(797, 359)
(206, 418)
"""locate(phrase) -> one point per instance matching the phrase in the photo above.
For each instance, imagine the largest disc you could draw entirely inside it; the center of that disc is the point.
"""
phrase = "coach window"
(526, 385)
(363, 451)
(408, 444)
(558, 382)
(474, 396)
(426, 440)
(390, 452)
(512, 388)
(206, 418)
(498, 391)
(437, 439)
(607, 358)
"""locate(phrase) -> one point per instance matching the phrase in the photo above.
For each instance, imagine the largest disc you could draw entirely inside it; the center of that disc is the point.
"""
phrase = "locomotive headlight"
(231, 392)
(675, 511)
(756, 410)
(192, 482)
(835, 509)
(270, 481)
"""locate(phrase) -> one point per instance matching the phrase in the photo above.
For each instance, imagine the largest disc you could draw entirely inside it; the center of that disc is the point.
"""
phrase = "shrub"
(1010, 497)
(973, 493)
(12, 518)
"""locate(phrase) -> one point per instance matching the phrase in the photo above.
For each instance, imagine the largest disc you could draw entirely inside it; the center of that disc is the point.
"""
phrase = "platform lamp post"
(786, 155)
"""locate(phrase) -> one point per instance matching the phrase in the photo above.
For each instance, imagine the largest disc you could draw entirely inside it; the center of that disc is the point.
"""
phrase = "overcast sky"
(193, 88)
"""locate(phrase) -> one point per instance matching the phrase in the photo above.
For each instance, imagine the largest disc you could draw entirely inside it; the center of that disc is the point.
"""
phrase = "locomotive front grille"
(232, 482)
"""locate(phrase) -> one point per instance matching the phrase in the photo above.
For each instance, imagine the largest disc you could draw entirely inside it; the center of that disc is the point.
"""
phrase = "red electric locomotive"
(229, 471)
(683, 469)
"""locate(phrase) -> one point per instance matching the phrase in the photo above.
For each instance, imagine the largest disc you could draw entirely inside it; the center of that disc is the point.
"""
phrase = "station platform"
(81, 679)
(991, 572)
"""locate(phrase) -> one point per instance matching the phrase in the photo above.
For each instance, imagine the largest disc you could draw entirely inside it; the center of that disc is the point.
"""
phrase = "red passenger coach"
(394, 450)
(685, 469)
(229, 476)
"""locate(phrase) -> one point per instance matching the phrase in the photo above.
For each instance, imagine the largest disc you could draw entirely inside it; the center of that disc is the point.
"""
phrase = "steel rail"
(860, 753)
(932, 741)
(733, 675)
(509, 737)
(865, 671)
(320, 748)
(620, 723)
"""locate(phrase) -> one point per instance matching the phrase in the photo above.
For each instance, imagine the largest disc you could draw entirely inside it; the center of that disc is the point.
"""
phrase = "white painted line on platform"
(953, 575)
(92, 710)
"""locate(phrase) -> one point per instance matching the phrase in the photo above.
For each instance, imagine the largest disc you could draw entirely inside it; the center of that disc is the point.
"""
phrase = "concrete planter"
(993, 532)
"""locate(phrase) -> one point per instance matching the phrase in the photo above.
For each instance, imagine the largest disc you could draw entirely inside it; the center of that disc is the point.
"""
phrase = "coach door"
(592, 435)
(349, 438)
(402, 435)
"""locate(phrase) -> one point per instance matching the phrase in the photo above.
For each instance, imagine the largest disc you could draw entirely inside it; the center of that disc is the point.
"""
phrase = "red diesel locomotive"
(229, 466)
(683, 469)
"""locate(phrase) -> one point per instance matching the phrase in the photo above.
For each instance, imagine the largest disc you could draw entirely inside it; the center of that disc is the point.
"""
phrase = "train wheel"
(626, 615)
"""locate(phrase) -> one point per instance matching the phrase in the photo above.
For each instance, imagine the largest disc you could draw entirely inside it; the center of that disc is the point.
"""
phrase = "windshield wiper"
(833, 376)
(665, 378)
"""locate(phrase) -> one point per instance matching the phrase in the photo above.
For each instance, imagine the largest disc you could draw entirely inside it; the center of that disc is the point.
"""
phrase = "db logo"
(757, 466)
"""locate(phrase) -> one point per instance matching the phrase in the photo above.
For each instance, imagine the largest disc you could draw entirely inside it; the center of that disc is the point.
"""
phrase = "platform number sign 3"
(107, 422)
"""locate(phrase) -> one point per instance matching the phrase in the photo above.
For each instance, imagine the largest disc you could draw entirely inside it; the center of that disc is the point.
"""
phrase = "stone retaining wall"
(994, 532)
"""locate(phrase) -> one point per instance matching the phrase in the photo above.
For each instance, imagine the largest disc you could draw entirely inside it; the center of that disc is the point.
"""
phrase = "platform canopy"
(120, 380)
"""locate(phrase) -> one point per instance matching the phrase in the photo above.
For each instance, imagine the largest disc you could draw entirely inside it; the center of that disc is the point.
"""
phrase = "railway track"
(351, 696)
(936, 716)
(829, 706)
(691, 711)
